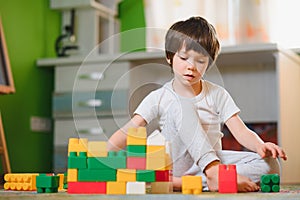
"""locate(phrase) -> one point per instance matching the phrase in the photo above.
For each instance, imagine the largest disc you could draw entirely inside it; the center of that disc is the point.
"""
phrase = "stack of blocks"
(94, 170)
(270, 183)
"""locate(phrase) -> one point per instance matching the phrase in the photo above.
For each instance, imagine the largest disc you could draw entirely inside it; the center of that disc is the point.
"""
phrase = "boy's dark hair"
(195, 34)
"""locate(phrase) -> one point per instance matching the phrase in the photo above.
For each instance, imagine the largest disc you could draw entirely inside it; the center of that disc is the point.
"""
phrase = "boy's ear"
(168, 60)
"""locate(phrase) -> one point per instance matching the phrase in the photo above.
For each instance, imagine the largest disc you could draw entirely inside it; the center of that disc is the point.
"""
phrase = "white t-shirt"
(191, 144)
(214, 106)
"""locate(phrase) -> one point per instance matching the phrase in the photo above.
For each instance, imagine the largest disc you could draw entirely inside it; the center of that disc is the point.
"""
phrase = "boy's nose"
(191, 64)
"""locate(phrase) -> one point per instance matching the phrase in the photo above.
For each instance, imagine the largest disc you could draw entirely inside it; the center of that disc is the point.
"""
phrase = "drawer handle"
(90, 103)
(94, 76)
(91, 131)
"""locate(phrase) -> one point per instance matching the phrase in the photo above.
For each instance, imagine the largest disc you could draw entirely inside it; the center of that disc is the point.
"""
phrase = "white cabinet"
(263, 79)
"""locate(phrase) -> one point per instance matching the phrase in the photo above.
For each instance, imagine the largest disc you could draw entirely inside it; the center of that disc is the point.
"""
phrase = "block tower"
(94, 170)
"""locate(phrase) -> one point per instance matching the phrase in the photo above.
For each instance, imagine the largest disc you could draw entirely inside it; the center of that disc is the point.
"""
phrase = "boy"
(191, 112)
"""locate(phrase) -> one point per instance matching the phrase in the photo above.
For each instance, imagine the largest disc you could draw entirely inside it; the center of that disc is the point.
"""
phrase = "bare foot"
(177, 183)
(212, 174)
(246, 185)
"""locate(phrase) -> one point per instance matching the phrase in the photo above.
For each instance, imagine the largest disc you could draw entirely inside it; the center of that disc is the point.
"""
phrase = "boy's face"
(189, 66)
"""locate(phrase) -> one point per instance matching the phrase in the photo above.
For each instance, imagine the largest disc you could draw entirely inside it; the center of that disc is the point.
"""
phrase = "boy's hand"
(270, 149)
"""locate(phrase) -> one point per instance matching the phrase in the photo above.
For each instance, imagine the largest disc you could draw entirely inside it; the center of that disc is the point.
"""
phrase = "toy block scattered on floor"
(20, 181)
(47, 183)
(270, 183)
(227, 179)
(191, 184)
(61, 182)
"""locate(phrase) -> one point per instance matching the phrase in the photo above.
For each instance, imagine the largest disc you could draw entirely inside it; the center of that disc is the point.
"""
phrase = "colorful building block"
(99, 175)
(125, 175)
(163, 175)
(136, 151)
(145, 175)
(156, 139)
(78, 145)
(72, 175)
(136, 136)
(161, 187)
(77, 161)
(47, 183)
(191, 184)
(20, 181)
(97, 149)
(135, 188)
(114, 160)
(61, 182)
(87, 187)
(156, 163)
(136, 163)
(116, 188)
(270, 183)
(227, 179)
(156, 151)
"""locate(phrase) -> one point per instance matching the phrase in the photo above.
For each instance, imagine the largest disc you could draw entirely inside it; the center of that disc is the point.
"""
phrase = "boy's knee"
(274, 166)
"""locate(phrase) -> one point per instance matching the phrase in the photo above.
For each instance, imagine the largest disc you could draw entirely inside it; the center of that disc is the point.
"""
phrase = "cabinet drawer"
(103, 76)
(97, 129)
(104, 103)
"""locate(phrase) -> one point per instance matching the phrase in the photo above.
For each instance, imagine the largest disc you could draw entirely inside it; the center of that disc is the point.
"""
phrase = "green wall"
(30, 29)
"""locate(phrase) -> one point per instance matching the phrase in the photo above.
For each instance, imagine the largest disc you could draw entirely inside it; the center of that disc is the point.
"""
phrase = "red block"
(87, 187)
(227, 179)
(136, 163)
(162, 176)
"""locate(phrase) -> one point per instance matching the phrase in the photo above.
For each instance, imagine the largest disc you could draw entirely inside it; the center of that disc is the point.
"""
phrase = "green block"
(136, 150)
(145, 175)
(115, 160)
(77, 162)
(270, 183)
(97, 175)
(46, 183)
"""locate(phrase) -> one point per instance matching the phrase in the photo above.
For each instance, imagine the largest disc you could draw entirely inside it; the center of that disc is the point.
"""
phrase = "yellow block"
(97, 149)
(20, 181)
(61, 182)
(191, 184)
(115, 187)
(156, 163)
(72, 175)
(137, 136)
(126, 175)
(156, 151)
(77, 145)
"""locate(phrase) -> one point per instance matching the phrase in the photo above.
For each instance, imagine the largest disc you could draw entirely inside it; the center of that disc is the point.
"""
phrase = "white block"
(136, 188)
(156, 139)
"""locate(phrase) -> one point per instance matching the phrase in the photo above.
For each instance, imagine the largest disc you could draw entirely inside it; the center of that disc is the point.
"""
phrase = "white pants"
(248, 164)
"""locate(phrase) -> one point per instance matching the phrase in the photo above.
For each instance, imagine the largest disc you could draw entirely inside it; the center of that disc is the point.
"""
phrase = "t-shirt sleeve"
(226, 105)
(148, 108)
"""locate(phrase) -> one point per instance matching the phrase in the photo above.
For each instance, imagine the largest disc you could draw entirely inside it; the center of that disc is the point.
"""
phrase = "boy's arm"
(251, 140)
(118, 140)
